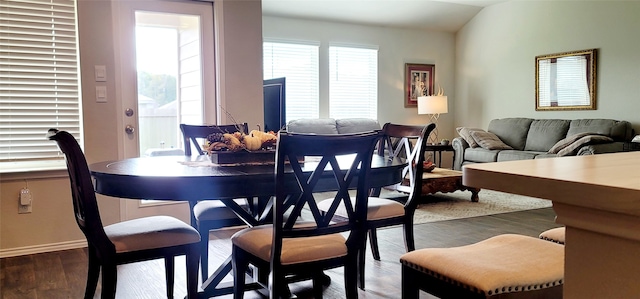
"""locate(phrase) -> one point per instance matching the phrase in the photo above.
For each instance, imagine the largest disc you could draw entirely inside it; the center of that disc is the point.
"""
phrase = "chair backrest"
(85, 206)
(415, 169)
(191, 133)
(401, 141)
(333, 167)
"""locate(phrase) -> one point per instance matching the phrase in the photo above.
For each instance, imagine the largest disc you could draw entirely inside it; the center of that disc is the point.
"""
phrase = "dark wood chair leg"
(361, 266)
(109, 280)
(351, 277)
(204, 252)
(373, 241)
(409, 241)
(318, 283)
(410, 289)
(239, 265)
(93, 274)
(169, 272)
(192, 258)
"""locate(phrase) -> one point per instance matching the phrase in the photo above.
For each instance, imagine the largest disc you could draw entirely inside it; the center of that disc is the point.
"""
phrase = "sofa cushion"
(589, 139)
(512, 155)
(479, 154)
(544, 133)
(618, 130)
(465, 133)
(356, 125)
(313, 125)
(488, 140)
(512, 131)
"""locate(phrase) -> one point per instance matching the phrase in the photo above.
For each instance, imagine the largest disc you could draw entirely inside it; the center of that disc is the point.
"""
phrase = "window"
(353, 86)
(39, 86)
(353, 79)
(298, 63)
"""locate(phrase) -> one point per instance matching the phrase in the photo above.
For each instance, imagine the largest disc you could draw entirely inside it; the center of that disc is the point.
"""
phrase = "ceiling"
(438, 15)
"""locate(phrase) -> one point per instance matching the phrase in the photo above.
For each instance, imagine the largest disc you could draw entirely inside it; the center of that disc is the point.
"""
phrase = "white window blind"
(573, 89)
(353, 86)
(298, 63)
(39, 86)
(563, 82)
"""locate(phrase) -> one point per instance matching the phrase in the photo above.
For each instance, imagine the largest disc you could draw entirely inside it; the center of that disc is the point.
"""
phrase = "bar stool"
(504, 266)
(554, 235)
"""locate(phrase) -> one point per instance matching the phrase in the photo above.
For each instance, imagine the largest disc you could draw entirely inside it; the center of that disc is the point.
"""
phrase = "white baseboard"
(10, 252)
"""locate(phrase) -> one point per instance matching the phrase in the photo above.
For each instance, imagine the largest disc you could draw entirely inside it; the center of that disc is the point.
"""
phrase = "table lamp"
(433, 105)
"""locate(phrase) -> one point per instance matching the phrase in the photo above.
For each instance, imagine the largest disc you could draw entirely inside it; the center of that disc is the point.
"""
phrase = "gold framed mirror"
(566, 81)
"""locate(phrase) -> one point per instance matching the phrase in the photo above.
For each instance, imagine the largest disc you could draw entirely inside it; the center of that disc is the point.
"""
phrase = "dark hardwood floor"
(62, 274)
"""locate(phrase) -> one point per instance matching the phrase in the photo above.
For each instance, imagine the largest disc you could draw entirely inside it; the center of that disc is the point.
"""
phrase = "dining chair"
(301, 243)
(128, 241)
(207, 215)
(397, 141)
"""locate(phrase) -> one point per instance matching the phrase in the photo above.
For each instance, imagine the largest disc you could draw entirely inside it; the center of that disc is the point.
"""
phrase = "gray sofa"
(526, 138)
(332, 126)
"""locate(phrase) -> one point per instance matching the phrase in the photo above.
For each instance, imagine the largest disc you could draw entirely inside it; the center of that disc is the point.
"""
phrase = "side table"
(439, 148)
(440, 180)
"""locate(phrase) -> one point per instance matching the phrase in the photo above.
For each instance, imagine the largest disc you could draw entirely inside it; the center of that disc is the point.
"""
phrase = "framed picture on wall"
(418, 81)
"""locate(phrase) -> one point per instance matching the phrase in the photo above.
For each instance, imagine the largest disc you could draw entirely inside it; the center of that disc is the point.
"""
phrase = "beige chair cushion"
(257, 241)
(501, 264)
(378, 208)
(554, 235)
(150, 232)
(215, 209)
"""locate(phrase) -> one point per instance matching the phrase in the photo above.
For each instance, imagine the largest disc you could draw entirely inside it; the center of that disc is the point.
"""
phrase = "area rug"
(457, 205)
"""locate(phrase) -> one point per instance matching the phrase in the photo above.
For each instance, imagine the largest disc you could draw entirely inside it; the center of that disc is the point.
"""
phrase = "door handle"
(129, 129)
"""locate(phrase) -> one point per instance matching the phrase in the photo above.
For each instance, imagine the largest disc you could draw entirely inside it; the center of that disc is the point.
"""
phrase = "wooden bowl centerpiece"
(240, 148)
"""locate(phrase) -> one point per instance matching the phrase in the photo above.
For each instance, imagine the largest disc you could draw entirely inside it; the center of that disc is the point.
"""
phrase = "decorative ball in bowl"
(428, 166)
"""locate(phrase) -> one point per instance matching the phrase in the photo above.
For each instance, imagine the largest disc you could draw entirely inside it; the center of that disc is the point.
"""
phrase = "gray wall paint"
(495, 58)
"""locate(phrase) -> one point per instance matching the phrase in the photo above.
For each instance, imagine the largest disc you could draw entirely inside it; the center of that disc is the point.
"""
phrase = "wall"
(396, 47)
(496, 50)
(51, 225)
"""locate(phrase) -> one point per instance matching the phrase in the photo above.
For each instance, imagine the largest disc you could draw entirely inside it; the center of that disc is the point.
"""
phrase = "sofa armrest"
(459, 145)
(603, 148)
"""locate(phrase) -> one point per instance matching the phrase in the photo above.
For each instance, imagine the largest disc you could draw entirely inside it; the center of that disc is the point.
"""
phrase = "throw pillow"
(488, 140)
(465, 133)
(586, 140)
(566, 142)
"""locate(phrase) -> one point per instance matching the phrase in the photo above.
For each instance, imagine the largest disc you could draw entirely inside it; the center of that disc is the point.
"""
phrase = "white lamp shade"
(432, 105)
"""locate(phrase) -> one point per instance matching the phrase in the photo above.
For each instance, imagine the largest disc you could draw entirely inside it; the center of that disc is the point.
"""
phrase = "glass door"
(164, 46)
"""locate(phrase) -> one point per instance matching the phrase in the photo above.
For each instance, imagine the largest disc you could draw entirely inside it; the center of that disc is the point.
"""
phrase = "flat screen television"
(274, 104)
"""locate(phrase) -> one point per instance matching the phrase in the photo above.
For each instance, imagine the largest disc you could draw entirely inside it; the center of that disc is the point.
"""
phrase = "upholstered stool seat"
(504, 266)
(554, 235)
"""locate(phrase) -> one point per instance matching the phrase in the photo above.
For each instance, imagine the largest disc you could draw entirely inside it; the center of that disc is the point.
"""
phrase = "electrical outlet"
(24, 209)
(24, 203)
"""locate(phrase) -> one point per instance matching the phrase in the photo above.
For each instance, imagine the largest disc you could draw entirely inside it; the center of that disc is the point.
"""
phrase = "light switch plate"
(100, 73)
(101, 94)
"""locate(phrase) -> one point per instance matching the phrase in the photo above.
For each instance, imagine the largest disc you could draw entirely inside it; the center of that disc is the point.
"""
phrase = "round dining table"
(196, 178)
